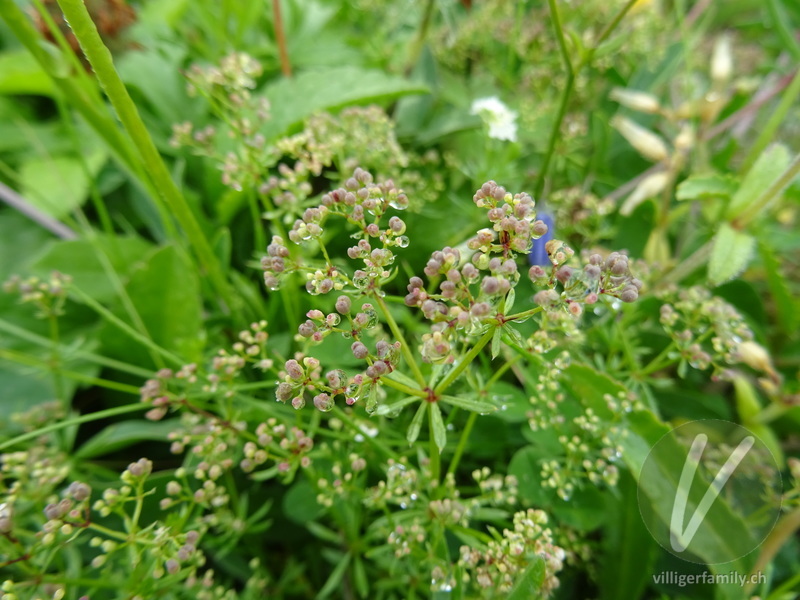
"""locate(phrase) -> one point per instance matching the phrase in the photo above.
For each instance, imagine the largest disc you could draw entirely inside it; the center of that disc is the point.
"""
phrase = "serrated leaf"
(393, 408)
(769, 166)
(126, 433)
(698, 187)
(416, 424)
(437, 426)
(497, 336)
(730, 254)
(471, 404)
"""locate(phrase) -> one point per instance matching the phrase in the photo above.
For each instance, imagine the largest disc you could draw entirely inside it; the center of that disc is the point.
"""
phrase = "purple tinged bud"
(629, 294)
(490, 285)
(343, 305)
(294, 370)
(360, 351)
(323, 402)
(306, 329)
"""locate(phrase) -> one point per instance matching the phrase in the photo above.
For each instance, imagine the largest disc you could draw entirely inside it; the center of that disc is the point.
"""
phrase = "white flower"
(500, 119)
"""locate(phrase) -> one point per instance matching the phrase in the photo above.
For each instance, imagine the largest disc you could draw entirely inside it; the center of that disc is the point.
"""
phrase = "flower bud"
(722, 60)
(754, 356)
(650, 186)
(636, 100)
(647, 143)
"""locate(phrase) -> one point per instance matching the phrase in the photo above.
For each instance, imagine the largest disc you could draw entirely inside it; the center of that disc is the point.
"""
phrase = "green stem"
(33, 361)
(433, 449)
(123, 326)
(401, 387)
(658, 362)
(562, 42)
(422, 33)
(404, 347)
(688, 265)
(95, 416)
(90, 356)
(55, 358)
(173, 202)
(462, 442)
(524, 314)
(572, 73)
(465, 361)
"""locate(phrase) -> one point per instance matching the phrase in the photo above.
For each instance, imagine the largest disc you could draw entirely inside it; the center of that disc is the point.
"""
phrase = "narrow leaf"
(416, 424)
(786, 304)
(730, 255)
(437, 427)
(394, 408)
(402, 378)
(126, 433)
(498, 335)
(471, 404)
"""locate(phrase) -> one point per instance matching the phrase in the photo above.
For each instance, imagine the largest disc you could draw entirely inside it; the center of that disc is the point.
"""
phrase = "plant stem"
(33, 361)
(524, 314)
(173, 201)
(462, 442)
(433, 449)
(572, 72)
(783, 531)
(401, 387)
(465, 361)
(55, 359)
(419, 41)
(90, 356)
(95, 416)
(404, 347)
(689, 265)
(123, 326)
(280, 39)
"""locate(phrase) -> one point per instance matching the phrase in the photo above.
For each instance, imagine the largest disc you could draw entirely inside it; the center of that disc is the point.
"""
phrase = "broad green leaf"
(530, 582)
(437, 426)
(628, 548)
(769, 166)
(471, 404)
(59, 184)
(589, 386)
(20, 73)
(526, 466)
(79, 259)
(165, 290)
(730, 254)
(698, 187)
(294, 99)
(300, 503)
(123, 434)
(393, 409)
(416, 423)
(722, 533)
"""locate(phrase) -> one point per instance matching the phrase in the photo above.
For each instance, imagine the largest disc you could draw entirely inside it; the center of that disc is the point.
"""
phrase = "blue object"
(538, 255)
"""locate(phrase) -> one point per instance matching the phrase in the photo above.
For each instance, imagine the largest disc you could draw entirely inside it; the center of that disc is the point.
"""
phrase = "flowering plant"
(317, 336)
